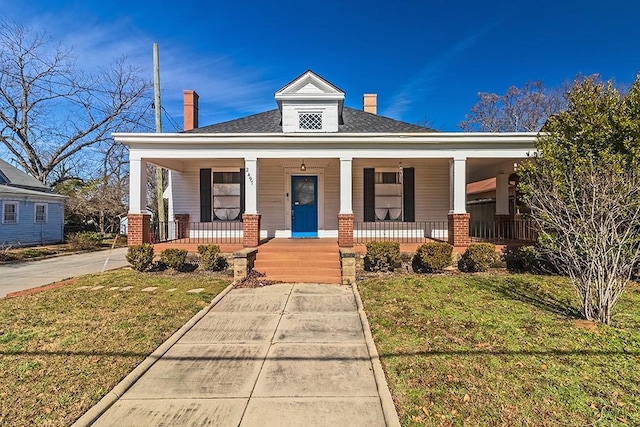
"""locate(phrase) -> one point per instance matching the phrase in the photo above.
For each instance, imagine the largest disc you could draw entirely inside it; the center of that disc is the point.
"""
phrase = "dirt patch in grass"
(63, 349)
(496, 350)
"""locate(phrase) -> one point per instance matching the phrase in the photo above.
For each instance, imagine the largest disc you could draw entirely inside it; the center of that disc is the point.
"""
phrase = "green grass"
(498, 349)
(62, 350)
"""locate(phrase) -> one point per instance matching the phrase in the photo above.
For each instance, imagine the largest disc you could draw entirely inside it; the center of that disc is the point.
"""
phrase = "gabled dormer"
(310, 104)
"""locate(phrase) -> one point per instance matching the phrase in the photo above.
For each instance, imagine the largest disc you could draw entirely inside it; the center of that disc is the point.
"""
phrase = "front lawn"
(498, 349)
(61, 350)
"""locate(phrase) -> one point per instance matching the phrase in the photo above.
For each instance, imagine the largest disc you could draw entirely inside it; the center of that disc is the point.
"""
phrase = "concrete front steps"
(299, 260)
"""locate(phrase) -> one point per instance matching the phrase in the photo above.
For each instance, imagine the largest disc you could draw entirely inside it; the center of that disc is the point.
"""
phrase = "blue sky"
(426, 60)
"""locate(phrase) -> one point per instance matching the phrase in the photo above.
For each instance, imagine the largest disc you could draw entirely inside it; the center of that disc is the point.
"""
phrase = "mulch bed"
(254, 279)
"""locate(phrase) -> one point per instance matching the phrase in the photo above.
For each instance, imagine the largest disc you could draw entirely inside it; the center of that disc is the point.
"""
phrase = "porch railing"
(402, 232)
(197, 232)
(503, 231)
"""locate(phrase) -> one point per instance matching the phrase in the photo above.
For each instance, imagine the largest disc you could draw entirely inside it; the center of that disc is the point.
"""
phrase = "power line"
(175, 124)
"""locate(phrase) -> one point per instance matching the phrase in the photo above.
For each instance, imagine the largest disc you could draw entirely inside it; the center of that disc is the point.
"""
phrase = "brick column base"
(138, 229)
(345, 230)
(459, 229)
(250, 230)
(182, 225)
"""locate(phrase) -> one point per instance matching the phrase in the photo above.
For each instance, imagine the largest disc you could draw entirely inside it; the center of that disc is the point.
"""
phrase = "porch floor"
(191, 245)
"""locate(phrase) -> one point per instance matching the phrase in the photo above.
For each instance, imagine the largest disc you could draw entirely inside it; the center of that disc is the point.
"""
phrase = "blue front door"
(304, 206)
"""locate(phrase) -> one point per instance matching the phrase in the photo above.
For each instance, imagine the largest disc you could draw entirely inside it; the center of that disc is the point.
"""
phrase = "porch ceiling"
(172, 164)
(479, 169)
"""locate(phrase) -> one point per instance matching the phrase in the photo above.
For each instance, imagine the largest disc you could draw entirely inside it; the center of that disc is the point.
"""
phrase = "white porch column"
(346, 186)
(502, 194)
(458, 185)
(250, 186)
(137, 186)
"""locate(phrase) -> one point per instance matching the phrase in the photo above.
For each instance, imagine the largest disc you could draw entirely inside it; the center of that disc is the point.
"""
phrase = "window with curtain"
(227, 205)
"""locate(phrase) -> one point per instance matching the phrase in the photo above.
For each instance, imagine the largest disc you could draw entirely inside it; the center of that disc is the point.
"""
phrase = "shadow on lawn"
(488, 352)
(530, 293)
(245, 358)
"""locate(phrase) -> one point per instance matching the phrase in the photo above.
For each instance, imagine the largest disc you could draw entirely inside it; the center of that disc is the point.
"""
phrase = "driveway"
(32, 274)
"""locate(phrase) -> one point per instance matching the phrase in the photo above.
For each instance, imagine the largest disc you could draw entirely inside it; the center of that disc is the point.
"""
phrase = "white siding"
(431, 186)
(329, 110)
(271, 195)
(332, 194)
(274, 190)
(186, 185)
(274, 184)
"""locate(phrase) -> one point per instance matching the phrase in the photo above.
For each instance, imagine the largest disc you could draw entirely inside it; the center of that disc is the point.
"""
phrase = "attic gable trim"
(305, 78)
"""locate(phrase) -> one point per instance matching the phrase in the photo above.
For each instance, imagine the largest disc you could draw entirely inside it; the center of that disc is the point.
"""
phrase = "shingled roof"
(353, 121)
(14, 177)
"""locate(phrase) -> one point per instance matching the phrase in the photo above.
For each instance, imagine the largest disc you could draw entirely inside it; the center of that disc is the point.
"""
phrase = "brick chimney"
(370, 103)
(190, 109)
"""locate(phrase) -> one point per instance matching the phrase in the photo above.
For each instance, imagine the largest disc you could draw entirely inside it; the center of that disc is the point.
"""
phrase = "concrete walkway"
(282, 355)
(32, 274)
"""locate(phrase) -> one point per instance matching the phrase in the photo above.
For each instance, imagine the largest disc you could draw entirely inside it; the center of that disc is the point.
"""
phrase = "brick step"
(298, 258)
(269, 265)
(304, 279)
(297, 270)
(298, 249)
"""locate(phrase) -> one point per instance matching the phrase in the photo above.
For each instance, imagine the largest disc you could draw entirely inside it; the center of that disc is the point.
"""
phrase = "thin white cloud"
(226, 88)
(424, 82)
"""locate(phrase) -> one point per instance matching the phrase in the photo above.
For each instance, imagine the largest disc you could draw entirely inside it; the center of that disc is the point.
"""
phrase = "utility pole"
(162, 219)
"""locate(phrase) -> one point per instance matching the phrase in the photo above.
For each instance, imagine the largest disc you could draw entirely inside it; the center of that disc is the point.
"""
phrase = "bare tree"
(50, 111)
(523, 109)
(590, 222)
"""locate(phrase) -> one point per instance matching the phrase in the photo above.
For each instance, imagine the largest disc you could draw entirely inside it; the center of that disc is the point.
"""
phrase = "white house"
(313, 167)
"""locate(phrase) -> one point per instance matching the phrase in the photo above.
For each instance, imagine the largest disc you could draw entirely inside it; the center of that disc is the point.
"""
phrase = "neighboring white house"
(31, 212)
(314, 167)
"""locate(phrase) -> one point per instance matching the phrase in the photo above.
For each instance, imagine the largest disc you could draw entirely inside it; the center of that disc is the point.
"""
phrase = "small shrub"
(382, 256)
(84, 240)
(432, 257)
(478, 257)
(211, 258)
(522, 259)
(140, 257)
(174, 258)
(5, 254)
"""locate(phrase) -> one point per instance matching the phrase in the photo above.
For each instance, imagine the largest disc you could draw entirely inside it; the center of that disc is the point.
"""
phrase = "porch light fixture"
(303, 167)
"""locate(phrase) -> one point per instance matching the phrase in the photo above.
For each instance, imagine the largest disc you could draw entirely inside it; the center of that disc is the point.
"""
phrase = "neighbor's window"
(10, 212)
(226, 196)
(388, 202)
(41, 212)
(310, 121)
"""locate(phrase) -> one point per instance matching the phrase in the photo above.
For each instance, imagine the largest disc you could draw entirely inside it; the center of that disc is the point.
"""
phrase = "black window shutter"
(242, 176)
(205, 195)
(408, 188)
(369, 195)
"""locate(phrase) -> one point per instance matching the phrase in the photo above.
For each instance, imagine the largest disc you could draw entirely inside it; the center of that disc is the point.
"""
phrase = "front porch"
(352, 200)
